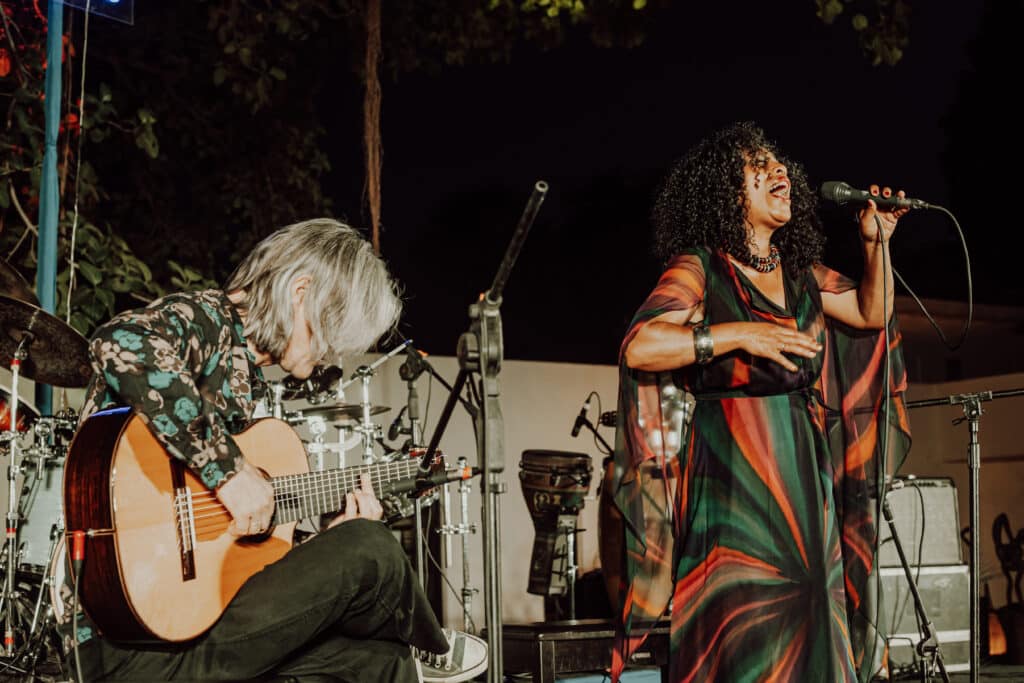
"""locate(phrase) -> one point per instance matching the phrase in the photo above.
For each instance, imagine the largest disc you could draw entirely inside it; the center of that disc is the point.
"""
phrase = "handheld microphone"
(841, 193)
(581, 419)
(396, 425)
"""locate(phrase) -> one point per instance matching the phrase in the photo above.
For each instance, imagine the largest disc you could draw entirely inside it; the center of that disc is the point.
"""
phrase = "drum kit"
(337, 433)
(37, 346)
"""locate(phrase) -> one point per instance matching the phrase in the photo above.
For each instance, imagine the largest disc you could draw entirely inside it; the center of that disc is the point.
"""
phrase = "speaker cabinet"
(945, 594)
(927, 520)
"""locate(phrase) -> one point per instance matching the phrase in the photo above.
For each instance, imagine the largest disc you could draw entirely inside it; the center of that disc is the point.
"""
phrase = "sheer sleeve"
(646, 445)
(152, 360)
(863, 383)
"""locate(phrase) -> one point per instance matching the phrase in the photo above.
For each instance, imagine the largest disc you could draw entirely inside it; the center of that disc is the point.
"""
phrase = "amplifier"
(945, 594)
(927, 520)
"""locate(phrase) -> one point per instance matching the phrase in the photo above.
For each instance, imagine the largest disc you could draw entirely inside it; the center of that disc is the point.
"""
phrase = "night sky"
(463, 150)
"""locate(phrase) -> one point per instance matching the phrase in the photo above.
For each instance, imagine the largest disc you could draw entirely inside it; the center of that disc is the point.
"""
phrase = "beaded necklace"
(766, 264)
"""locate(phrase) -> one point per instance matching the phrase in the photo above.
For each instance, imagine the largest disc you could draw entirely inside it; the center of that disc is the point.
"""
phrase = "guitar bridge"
(184, 515)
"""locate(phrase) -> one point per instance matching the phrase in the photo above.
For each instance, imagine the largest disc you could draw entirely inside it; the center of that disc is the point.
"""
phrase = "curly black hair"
(702, 201)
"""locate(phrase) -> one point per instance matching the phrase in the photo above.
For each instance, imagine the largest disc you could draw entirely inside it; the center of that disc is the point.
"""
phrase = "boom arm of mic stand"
(442, 422)
(518, 237)
(470, 408)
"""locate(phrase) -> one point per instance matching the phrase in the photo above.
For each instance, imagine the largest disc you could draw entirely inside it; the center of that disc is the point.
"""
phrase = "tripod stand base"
(38, 655)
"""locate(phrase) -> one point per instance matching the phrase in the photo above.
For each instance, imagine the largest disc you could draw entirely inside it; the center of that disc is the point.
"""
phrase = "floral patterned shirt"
(183, 365)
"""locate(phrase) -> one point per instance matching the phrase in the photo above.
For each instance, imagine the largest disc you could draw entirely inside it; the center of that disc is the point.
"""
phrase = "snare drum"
(554, 485)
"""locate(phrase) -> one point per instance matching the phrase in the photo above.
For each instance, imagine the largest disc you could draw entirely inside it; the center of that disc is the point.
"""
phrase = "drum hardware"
(40, 347)
(277, 406)
(462, 530)
(316, 389)
(317, 428)
(11, 597)
(370, 432)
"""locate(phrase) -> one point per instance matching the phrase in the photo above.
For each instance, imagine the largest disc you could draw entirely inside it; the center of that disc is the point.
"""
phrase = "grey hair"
(351, 300)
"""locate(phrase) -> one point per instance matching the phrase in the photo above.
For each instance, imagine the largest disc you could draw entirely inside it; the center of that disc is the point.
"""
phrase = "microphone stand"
(604, 461)
(928, 647)
(590, 425)
(410, 371)
(480, 351)
(972, 414)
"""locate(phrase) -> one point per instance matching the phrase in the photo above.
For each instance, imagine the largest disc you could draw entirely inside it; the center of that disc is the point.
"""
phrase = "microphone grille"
(836, 191)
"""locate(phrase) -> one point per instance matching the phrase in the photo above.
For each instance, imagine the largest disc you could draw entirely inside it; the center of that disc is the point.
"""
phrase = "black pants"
(345, 605)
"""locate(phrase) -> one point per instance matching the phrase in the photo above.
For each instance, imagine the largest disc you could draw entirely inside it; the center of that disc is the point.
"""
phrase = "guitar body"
(146, 577)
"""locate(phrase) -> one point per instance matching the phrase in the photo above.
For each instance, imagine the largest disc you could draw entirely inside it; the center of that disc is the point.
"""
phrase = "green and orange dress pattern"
(776, 486)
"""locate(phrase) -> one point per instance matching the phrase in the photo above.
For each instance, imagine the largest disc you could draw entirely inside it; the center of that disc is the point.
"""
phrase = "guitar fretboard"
(299, 496)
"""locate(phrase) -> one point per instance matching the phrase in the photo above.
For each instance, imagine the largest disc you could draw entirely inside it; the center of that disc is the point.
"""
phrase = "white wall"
(539, 404)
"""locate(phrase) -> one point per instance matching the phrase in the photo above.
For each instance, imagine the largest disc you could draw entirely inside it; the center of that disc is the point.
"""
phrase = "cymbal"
(12, 284)
(346, 411)
(57, 354)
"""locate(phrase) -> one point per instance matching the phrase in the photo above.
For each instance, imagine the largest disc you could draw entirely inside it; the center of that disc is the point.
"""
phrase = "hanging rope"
(78, 165)
(371, 119)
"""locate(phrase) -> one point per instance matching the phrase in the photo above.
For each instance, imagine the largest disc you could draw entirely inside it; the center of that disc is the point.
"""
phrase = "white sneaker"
(466, 658)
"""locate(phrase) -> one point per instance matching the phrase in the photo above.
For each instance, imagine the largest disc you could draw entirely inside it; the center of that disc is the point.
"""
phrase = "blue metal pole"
(49, 189)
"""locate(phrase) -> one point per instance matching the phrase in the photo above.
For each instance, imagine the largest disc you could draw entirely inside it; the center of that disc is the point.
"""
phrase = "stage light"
(119, 10)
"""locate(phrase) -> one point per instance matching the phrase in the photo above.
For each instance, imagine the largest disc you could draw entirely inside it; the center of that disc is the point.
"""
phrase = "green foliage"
(882, 26)
(203, 131)
(109, 276)
(108, 273)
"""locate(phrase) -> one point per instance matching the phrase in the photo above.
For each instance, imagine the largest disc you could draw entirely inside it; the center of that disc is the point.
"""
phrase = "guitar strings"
(209, 514)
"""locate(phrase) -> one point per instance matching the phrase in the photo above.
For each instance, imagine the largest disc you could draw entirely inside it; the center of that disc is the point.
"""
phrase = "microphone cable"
(970, 290)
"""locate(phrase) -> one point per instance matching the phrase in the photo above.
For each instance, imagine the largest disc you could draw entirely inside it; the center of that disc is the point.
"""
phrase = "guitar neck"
(299, 496)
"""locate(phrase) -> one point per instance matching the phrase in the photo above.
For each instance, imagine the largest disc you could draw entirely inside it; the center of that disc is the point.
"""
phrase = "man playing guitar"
(344, 605)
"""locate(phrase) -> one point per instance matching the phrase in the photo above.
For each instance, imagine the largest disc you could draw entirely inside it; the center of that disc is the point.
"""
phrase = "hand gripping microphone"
(841, 193)
(581, 419)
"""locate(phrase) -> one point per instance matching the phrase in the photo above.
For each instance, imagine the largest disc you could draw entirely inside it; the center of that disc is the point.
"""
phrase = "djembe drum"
(554, 484)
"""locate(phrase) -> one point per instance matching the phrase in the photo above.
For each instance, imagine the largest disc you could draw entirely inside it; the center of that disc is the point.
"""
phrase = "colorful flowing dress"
(773, 530)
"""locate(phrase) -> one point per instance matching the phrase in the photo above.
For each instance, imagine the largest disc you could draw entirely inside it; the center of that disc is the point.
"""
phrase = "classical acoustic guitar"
(160, 564)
